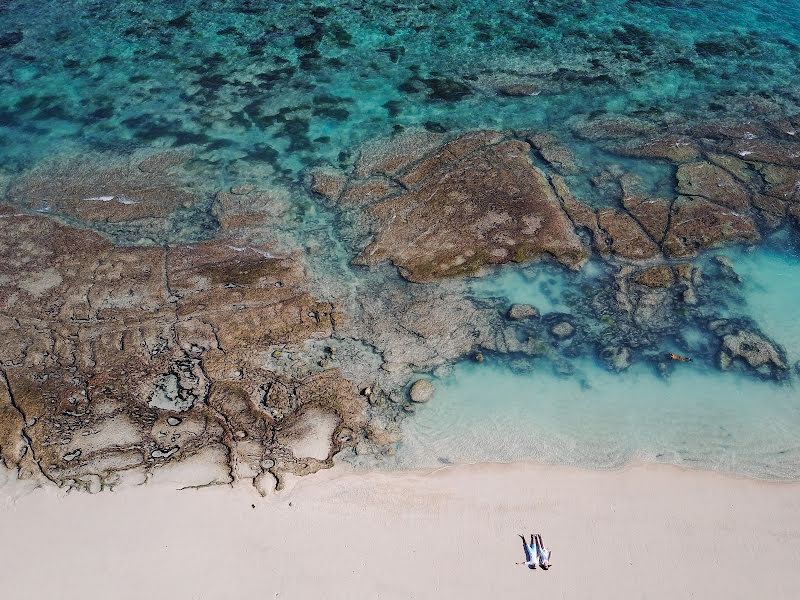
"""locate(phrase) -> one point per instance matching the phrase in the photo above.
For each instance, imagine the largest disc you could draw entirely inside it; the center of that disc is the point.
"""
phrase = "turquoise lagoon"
(264, 90)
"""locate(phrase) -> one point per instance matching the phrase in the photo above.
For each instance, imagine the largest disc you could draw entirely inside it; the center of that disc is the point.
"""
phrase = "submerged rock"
(517, 312)
(753, 349)
(616, 358)
(562, 329)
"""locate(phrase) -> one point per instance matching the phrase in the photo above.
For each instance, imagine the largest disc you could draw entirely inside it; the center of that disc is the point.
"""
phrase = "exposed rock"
(781, 182)
(656, 277)
(683, 271)
(627, 238)
(421, 391)
(390, 156)
(251, 216)
(518, 312)
(611, 128)
(470, 205)
(581, 215)
(96, 190)
(771, 209)
(369, 190)
(713, 183)
(764, 150)
(678, 149)
(651, 213)
(104, 344)
(553, 152)
(735, 166)
(328, 183)
(697, 224)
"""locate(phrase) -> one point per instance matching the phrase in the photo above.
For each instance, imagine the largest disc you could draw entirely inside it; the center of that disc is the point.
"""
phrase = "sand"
(645, 532)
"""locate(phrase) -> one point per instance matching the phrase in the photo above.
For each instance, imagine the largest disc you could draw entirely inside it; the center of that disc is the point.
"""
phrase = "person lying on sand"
(531, 556)
(542, 553)
(679, 358)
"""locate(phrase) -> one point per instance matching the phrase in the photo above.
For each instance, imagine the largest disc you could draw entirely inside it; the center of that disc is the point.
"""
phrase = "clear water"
(265, 88)
(696, 415)
(595, 418)
(262, 90)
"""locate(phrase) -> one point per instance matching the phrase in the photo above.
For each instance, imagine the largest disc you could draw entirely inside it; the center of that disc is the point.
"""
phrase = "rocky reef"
(131, 354)
(125, 364)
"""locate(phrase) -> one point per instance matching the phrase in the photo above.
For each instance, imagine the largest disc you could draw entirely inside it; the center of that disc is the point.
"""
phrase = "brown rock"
(390, 156)
(684, 271)
(103, 345)
(656, 277)
(735, 166)
(439, 162)
(765, 150)
(771, 209)
(713, 183)
(328, 183)
(421, 391)
(651, 213)
(553, 152)
(612, 128)
(678, 149)
(364, 191)
(698, 224)
(782, 182)
(100, 191)
(626, 236)
(581, 215)
(489, 205)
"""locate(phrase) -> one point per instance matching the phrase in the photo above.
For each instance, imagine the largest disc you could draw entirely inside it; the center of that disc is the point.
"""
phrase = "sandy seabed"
(645, 532)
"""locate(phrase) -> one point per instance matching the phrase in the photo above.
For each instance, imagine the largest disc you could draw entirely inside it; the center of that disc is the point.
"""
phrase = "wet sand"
(645, 532)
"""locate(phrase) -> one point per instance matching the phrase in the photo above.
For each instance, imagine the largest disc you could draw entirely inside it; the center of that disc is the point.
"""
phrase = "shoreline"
(344, 533)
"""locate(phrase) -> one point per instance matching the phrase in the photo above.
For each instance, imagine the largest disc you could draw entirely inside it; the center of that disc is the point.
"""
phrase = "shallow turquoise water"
(695, 415)
(262, 90)
(598, 419)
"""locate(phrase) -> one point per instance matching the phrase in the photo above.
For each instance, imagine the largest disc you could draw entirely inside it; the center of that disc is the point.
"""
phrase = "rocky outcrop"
(712, 183)
(696, 224)
(120, 364)
(475, 201)
(625, 237)
(421, 391)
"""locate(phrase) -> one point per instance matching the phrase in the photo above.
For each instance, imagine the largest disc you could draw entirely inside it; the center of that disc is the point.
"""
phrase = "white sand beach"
(645, 532)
